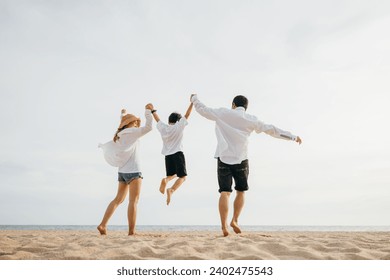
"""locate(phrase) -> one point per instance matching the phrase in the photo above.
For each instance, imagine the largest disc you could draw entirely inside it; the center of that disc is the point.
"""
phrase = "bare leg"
(164, 183)
(175, 186)
(123, 189)
(238, 205)
(135, 190)
(224, 211)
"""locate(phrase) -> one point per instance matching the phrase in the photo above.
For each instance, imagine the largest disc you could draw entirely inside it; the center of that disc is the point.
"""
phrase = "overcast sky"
(319, 69)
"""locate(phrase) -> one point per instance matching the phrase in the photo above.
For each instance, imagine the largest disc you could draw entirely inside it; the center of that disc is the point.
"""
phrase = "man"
(233, 127)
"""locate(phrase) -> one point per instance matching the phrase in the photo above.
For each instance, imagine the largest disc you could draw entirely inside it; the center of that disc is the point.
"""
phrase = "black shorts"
(228, 172)
(176, 165)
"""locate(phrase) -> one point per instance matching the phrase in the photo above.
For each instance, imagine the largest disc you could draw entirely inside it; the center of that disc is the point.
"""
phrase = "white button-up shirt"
(233, 127)
(172, 136)
(124, 153)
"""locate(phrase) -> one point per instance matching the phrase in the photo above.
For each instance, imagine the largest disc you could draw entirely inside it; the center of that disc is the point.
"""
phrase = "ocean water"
(196, 228)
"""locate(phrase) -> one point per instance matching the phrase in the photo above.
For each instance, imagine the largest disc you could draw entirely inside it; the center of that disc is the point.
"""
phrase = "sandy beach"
(89, 245)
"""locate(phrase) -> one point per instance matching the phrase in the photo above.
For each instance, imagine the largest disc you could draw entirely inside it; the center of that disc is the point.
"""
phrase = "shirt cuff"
(288, 137)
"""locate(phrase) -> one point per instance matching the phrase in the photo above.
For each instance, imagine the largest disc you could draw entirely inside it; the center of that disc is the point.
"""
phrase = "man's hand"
(149, 106)
(298, 140)
(123, 112)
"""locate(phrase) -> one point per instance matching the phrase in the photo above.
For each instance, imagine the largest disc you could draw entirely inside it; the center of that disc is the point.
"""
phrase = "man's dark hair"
(174, 117)
(241, 101)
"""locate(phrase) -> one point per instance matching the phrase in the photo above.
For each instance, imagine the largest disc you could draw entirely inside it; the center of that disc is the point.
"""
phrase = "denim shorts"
(228, 172)
(128, 177)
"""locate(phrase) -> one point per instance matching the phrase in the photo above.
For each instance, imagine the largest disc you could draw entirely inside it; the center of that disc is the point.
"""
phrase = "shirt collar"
(240, 108)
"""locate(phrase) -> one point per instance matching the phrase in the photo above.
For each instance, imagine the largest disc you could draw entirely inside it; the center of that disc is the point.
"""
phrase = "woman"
(122, 152)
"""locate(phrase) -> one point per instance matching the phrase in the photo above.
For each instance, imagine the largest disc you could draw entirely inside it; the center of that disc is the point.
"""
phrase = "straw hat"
(128, 118)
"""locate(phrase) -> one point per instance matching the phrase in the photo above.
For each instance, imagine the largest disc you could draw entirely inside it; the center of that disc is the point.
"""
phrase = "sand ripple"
(82, 245)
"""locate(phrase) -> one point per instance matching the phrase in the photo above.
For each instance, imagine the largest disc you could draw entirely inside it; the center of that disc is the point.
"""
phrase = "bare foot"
(225, 231)
(131, 233)
(102, 230)
(235, 227)
(169, 194)
(163, 185)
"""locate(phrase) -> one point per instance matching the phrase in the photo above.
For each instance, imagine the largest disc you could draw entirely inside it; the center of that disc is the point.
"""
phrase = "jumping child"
(172, 136)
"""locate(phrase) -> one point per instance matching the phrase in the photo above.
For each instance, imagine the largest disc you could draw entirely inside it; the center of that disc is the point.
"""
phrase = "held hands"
(149, 106)
(298, 140)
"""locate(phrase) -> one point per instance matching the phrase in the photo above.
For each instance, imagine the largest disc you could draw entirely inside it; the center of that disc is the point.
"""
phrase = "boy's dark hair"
(174, 117)
(241, 101)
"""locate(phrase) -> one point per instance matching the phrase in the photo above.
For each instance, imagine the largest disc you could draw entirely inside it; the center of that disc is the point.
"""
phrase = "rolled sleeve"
(273, 131)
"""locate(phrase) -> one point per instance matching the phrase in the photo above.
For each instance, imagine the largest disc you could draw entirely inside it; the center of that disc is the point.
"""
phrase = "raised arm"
(154, 112)
(276, 132)
(203, 110)
(149, 119)
(189, 110)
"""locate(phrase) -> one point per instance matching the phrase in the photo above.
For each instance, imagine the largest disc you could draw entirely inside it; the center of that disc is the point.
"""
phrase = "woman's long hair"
(116, 137)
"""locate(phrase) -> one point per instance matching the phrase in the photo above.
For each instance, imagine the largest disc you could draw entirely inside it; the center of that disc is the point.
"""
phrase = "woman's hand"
(149, 106)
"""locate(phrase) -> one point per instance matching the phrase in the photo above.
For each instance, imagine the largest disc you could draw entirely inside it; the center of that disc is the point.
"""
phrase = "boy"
(172, 136)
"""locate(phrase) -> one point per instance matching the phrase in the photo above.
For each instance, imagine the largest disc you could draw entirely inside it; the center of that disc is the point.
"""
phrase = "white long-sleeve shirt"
(124, 153)
(172, 136)
(233, 127)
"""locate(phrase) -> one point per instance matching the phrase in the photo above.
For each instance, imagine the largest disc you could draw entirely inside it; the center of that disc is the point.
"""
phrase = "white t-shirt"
(172, 136)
